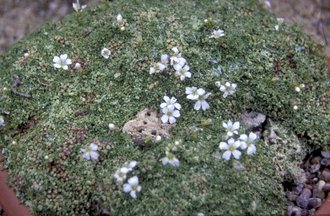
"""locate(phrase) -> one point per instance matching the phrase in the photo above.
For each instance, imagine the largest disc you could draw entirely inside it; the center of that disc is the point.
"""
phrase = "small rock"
(297, 190)
(289, 210)
(304, 212)
(325, 162)
(326, 187)
(326, 153)
(302, 200)
(315, 192)
(314, 203)
(326, 175)
(253, 119)
(320, 192)
(296, 210)
(310, 187)
(291, 196)
(315, 168)
(315, 160)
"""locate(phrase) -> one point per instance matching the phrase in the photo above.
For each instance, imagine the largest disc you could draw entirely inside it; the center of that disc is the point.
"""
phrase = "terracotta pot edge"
(9, 202)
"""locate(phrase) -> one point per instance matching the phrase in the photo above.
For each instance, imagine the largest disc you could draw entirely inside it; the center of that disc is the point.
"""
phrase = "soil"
(20, 17)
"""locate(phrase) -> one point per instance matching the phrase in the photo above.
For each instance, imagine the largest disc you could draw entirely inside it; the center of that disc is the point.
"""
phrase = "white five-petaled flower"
(217, 34)
(231, 128)
(231, 146)
(76, 6)
(105, 53)
(120, 174)
(170, 102)
(130, 165)
(201, 100)
(90, 152)
(182, 72)
(2, 121)
(247, 142)
(170, 114)
(228, 89)
(132, 187)
(193, 93)
(164, 59)
(62, 62)
(176, 57)
(158, 67)
(171, 159)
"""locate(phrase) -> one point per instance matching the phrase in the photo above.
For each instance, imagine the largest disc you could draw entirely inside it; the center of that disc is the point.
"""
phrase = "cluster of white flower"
(169, 110)
(228, 88)
(243, 142)
(159, 66)
(200, 95)
(170, 157)
(120, 174)
(177, 61)
(133, 183)
(90, 152)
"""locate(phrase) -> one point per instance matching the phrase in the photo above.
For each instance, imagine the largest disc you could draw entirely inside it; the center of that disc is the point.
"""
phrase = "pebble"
(302, 200)
(305, 198)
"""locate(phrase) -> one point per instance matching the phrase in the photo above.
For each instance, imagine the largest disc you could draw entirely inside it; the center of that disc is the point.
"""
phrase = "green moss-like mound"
(69, 109)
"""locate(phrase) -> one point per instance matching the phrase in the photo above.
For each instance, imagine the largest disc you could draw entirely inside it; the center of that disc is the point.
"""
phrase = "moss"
(265, 64)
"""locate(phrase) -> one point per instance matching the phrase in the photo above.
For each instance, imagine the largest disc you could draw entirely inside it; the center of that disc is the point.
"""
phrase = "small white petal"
(226, 155)
(237, 154)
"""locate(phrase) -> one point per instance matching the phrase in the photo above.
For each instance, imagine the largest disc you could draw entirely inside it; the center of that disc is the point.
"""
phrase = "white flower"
(130, 165)
(2, 121)
(228, 89)
(297, 89)
(132, 187)
(111, 126)
(247, 142)
(277, 27)
(231, 147)
(158, 138)
(77, 65)
(231, 128)
(170, 102)
(170, 114)
(201, 100)
(90, 152)
(183, 72)
(105, 53)
(62, 62)
(171, 159)
(176, 58)
(193, 93)
(119, 19)
(217, 34)
(120, 174)
(295, 107)
(158, 67)
(26, 55)
(76, 6)
(164, 59)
